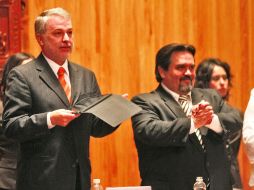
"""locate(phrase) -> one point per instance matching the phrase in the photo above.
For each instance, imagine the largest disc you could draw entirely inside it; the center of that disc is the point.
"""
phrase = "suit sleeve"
(230, 118)
(155, 126)
(18, 122)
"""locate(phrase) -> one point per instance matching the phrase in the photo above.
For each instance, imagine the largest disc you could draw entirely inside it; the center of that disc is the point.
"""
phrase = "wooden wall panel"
(118, 40)
(10, 29)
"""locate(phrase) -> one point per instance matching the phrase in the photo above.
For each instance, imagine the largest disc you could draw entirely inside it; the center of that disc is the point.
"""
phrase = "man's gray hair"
(41, 20)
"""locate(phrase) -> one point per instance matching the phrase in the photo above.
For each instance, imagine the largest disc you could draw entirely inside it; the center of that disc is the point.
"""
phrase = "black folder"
(111, 108)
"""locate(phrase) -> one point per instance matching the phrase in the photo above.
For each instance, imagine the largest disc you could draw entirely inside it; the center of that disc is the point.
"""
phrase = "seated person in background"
(8, 147)
(248, 135)
(214, 73)
(179, 133)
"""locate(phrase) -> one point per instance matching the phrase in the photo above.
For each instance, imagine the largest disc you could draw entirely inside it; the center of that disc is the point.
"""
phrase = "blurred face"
(219, 81)
(180, 75)
(56, 43)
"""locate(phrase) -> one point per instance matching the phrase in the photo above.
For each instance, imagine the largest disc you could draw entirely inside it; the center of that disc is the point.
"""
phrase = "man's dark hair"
(163, 56)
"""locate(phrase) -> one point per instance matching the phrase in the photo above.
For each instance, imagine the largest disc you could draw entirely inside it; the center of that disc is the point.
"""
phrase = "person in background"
(8, 147)
(214, 73)
(248, 135)
(38, 111)
(179, 133)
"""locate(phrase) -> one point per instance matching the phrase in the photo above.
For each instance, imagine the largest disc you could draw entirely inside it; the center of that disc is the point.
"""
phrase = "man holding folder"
(38, 112)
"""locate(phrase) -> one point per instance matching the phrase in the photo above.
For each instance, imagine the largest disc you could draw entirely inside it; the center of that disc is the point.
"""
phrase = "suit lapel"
(176, 109)
(47, 76)
(73, 72)
(171, 103)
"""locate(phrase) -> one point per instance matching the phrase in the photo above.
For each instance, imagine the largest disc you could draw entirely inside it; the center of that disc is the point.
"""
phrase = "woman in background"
(9, 148)
(214, 73)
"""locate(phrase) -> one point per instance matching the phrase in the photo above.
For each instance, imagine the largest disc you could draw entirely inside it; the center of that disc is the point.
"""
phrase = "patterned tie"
(184, 101)
(63, 83)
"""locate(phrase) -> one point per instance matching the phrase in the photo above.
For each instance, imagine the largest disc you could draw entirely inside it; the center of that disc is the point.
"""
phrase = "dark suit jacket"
(49, 157)
(169, 157)
(233, 142)
(8, 159)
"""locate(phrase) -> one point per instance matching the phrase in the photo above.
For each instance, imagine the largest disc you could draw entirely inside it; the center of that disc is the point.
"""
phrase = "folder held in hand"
(112, 109)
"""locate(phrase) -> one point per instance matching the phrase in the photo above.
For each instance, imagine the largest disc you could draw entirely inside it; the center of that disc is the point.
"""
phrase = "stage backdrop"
(118, 40)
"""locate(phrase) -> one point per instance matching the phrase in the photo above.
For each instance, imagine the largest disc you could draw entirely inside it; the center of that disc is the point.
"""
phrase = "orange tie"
(63, 83)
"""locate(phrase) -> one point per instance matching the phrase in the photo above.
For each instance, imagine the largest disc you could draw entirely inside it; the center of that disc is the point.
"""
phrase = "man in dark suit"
(178, 143)
(54, 140)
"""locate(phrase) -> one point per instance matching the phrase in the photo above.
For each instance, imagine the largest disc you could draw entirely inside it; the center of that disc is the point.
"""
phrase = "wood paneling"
(118, 40)
(10, 29)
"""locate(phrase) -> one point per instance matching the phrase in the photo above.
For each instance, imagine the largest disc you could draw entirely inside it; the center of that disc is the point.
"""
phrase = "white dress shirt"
(248, 134)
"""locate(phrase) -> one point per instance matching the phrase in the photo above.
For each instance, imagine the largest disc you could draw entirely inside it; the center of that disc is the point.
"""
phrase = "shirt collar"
(174, 94)
(54, 66)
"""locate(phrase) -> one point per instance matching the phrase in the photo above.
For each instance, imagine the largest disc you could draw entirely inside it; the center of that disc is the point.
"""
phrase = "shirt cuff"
(192, 129)
(50, 126)
(215, 125)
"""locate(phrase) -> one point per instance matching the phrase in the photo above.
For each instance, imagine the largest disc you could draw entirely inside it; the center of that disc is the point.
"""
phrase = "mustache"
(186, 78)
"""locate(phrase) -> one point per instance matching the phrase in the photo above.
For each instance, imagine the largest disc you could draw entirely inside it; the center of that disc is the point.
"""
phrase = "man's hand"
(62, 117)
(125, 95)
(202, 114)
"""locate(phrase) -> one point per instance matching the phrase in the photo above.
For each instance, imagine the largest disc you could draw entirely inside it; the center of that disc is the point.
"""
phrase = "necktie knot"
(61, 71)
(183, 98)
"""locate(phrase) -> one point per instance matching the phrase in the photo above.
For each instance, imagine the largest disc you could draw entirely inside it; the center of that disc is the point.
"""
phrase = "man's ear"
(161, 72)
(39, 40)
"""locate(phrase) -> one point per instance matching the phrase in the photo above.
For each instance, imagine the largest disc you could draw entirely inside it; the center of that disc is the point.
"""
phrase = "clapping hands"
(202, 114)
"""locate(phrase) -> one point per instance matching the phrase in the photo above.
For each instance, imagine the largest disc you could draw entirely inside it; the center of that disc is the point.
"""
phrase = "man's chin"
(185, 89)
(65, 54)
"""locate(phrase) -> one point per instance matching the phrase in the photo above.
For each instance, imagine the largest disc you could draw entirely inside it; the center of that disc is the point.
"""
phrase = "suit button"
(207, 164)
(74, 165)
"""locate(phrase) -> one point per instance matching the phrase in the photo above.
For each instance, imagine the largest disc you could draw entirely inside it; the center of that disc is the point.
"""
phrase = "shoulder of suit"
(79, 67)
(209, 95)
(206, 91)
(28, 67)
(147, 96)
